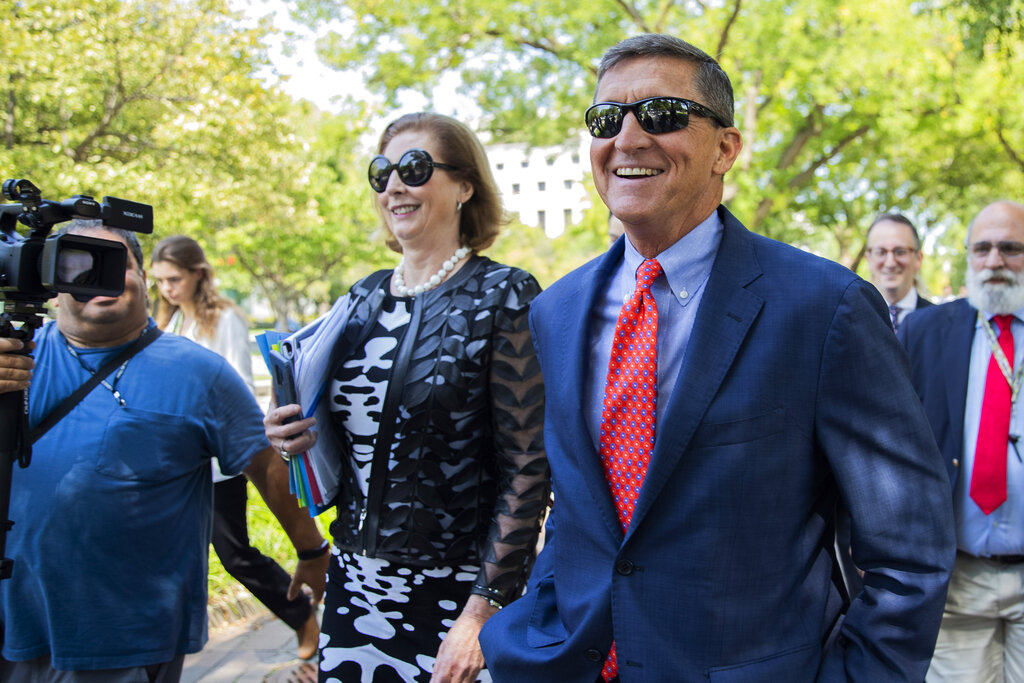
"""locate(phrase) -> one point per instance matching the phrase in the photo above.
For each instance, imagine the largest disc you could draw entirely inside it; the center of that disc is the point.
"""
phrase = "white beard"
(1000, 298)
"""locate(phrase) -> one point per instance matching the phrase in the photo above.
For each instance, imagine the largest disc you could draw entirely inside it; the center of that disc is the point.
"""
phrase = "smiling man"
(702, 433)
(966, 358)
(894, 259)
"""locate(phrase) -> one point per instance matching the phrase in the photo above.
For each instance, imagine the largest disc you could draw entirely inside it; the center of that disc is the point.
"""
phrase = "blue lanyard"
(111, 387)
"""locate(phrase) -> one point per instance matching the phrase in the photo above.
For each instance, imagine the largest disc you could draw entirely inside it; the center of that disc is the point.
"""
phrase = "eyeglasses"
(656, 115)
(881, 253)
(414, 168)
(1006, 249)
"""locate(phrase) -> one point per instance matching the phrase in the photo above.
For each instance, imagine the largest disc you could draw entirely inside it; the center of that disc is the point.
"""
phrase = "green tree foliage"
(158, 101)
(847, 109)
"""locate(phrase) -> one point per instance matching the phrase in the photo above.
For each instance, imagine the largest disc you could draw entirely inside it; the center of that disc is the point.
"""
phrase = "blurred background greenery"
(847, 109)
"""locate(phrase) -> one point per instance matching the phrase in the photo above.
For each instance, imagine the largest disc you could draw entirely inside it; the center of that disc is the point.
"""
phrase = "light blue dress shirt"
(1002, 531)
(686, 266)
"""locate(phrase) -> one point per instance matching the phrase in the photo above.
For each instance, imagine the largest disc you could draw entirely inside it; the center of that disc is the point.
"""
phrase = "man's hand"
(459, 659)
(15, 368)
(269, 475)
(313, 573)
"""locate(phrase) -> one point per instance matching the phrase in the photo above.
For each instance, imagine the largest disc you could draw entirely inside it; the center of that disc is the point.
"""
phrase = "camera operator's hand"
(15, 368)
(289, 437)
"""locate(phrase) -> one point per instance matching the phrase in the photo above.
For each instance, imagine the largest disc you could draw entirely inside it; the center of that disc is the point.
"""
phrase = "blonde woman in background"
(190, 305)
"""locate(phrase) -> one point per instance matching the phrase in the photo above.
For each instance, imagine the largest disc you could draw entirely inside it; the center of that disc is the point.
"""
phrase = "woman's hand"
(459, 659)
(293, 437)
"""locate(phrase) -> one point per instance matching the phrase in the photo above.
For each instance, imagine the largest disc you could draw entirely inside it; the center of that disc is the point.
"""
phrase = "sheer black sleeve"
(517, 406)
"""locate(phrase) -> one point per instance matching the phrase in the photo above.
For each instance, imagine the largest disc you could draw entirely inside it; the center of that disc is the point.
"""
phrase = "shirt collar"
(686, 264)
(909, 302)
(1018, 315)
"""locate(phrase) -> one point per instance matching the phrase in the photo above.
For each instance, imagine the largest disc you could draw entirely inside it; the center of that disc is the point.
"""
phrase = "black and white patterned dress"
(385, 616)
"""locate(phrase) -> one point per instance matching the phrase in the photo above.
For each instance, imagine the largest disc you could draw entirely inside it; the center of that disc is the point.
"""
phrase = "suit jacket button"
(956, 462)
(594, 655)
(624, 567)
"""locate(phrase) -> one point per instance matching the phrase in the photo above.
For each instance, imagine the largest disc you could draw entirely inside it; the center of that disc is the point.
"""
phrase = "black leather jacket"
(468, 481)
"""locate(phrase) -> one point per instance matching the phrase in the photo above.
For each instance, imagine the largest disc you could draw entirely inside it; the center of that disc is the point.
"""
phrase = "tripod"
(14, 434)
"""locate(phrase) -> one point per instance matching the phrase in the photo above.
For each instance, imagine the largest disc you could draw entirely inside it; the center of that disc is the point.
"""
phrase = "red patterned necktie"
(988, 480)
(631, 393)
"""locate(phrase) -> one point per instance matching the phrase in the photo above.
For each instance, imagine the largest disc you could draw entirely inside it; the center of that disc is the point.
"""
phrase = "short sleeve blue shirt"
(112, 518)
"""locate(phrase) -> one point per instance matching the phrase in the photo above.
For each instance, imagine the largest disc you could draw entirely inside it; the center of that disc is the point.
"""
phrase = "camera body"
(38, 267)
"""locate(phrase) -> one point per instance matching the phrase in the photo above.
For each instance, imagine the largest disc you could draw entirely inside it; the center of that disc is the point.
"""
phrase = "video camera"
(36, 268)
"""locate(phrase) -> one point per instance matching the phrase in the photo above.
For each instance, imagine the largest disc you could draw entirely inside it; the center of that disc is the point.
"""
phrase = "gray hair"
(84, 226)
(713, 84)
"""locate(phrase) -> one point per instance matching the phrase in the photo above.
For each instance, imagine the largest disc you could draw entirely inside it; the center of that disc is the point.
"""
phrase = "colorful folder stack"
(298, 370)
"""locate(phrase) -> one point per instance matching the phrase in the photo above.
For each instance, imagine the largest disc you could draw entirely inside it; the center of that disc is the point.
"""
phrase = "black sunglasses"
(414, 168)
(656, 115)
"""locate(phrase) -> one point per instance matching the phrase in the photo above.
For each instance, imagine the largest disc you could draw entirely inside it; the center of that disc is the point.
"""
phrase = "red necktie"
(631, 393)
(988, 480)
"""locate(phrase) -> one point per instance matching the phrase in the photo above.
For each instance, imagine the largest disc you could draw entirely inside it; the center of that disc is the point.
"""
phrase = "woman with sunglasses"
(190, 305)
(437, 412)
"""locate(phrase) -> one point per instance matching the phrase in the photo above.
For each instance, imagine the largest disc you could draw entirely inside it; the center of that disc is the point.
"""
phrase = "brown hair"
(185, 253)
(482, 216)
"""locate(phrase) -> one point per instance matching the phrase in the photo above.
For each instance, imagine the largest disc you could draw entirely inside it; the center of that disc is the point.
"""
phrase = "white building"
(543, 185)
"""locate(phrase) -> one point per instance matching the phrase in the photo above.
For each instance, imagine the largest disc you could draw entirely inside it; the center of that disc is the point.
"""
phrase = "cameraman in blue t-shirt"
(112, 518)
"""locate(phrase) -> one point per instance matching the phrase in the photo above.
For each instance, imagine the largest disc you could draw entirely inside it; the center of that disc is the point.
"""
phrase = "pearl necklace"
(398, 281)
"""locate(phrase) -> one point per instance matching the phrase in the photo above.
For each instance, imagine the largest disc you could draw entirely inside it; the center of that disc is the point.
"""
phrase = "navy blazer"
(793, 395)
(938, 340)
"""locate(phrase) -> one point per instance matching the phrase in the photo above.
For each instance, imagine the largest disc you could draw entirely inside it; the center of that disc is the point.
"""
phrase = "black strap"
(58, 413)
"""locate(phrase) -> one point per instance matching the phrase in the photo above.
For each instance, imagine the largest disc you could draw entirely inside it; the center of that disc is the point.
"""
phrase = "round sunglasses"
(656, 115)
(414, 168)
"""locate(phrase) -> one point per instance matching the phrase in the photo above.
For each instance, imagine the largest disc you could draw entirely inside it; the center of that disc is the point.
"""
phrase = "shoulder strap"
(58, 413)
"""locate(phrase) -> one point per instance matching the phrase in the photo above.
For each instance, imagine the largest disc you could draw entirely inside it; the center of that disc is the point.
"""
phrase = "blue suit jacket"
(938, 340)
(794, 393)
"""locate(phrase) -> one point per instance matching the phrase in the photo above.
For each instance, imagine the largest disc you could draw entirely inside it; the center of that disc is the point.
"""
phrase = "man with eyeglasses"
(712, 395)
(894, 259)
(966, 360)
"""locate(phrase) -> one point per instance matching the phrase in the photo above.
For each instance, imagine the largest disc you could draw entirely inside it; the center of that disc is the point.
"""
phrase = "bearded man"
(966, 364)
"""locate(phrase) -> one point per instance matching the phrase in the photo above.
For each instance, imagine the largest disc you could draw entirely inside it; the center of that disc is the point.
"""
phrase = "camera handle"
(14, 435)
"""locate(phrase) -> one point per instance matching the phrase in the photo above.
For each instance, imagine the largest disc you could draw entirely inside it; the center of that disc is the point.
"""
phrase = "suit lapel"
(956, 357)
(572, 362)
(727, 310)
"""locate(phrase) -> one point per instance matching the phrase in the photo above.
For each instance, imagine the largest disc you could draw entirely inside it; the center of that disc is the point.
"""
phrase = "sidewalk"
(260, 649)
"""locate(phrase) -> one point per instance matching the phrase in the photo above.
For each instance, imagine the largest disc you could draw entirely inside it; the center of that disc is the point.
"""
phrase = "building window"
(551, 161)
(500, 166)
(540, 219)
(567, 216)
(568, 184)
(515, 188)
(541, 186)
(575, 158)
(525, 163)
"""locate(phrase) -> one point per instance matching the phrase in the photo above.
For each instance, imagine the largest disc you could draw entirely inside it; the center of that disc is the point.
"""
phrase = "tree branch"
(1007, 147)
(634, 14)
(750, 120)
(724, 38)
(808, 173)
(809, 130)
(663, 13)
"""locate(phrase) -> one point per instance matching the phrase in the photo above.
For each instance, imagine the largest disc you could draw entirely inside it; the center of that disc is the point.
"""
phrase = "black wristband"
(492, 596)
(324, 548)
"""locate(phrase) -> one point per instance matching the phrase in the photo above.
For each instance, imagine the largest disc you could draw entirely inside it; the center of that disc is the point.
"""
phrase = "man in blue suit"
(781, 392)
(966, 358)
